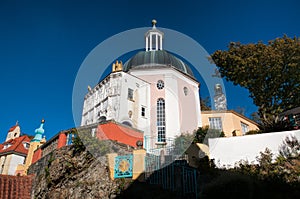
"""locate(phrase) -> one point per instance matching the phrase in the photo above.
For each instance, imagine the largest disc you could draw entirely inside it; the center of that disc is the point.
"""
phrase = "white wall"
(109, 98)
(172, 106)
(14, 162)
(140, 98)
(228, 151)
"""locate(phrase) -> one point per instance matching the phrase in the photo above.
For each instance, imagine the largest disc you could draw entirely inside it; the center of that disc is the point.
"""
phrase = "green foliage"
(121, 182)
(265, 159)
(205, 104)
(290, 148)
(200, 135)
(269, 71)
(95, 146)
(203, 133)
(253, 132)
(47, 171)
(182, 143)
(77, 143)
(283, 170)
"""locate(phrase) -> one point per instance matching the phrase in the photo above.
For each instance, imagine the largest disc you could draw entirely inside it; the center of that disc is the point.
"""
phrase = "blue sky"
(43, 43)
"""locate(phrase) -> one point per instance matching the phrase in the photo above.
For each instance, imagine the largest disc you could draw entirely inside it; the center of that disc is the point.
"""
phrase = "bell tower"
(154, 38)
(13, 132)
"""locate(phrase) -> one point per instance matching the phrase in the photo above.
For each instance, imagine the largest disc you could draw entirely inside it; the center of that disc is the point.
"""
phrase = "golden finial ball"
(43, 121)
(154, 22)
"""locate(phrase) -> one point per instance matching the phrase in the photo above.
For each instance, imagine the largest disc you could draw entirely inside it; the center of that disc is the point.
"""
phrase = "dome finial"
(38, 132)
(154, 23)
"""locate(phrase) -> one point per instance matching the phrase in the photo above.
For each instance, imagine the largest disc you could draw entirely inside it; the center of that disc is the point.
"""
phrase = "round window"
(160, 84)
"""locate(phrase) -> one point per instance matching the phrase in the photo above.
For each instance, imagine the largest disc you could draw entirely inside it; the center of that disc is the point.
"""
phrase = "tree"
(269, 71)
(290, 147)
(202, 134)
(205, 104)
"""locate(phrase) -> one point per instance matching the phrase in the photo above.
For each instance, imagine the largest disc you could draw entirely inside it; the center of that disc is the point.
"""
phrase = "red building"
(108, 130)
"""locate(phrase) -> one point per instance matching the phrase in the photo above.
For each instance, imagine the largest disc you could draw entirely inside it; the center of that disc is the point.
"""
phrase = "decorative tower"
(39, 133)
(35, 143)
(118, 66)
(13, 132)
(219, 98)
(154, 38)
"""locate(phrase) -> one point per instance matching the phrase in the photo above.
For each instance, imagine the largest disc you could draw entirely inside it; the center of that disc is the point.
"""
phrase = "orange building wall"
(62, 140)
(37, 155)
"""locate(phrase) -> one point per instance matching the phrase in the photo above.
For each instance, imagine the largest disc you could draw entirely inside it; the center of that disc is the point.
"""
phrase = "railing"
(177, 177)
(168, 152)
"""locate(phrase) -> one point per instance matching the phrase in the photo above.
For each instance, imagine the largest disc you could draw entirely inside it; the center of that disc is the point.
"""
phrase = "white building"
(154, 91)
(13, 151)
(227, 152)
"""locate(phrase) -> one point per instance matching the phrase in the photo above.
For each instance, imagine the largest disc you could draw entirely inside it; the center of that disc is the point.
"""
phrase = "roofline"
(159, 66)
(291, 111)
(94, 125)
(13, 152)
(111, 121)
(107, 76)
(230, 111)
(172, 54)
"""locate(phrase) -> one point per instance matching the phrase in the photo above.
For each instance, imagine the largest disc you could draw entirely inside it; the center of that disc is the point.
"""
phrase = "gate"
(177, 177)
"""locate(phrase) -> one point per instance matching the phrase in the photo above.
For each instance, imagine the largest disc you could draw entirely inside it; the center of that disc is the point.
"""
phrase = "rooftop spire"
(220, 98)
(154, 38)
(39, 132)
(154, 23)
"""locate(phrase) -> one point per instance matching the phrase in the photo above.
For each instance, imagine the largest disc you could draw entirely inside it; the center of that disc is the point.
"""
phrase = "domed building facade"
(154, 92)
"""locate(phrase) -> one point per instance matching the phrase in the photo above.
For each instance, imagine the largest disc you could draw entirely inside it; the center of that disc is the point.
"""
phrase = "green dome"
(156, 59)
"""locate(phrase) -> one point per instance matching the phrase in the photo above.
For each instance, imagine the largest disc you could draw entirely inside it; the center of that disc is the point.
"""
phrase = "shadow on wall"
(217, 183)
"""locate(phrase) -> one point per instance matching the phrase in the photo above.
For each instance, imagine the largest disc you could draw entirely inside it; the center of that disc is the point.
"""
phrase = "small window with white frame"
(130, 94)
(215, 123)
(245, 128)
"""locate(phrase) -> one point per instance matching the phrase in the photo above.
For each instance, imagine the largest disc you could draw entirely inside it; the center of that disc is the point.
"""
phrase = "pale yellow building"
(35, 143)
(229, 121)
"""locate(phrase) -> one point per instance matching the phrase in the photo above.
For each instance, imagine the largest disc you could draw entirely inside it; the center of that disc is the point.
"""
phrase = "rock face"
(67, 173)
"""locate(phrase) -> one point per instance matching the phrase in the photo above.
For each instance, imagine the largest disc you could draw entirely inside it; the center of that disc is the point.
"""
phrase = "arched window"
(127, 123)
(161, 120)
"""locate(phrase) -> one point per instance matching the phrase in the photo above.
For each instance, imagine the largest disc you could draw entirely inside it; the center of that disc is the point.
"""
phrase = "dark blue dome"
(156, 59)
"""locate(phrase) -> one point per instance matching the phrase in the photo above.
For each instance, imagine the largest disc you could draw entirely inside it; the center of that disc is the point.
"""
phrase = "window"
(158, 42)
(245, 128)
(130, 94)
(185, 91)
(160, 84)
(26, 145)
(215, 123)
(161, 120)
(153, 42)
(143, 111)
(7, 146)
(127, 123)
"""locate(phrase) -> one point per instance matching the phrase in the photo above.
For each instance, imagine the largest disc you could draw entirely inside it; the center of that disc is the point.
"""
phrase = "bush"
(253, 132)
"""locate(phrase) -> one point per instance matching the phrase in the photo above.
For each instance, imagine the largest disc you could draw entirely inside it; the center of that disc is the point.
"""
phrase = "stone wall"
(67, 173)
